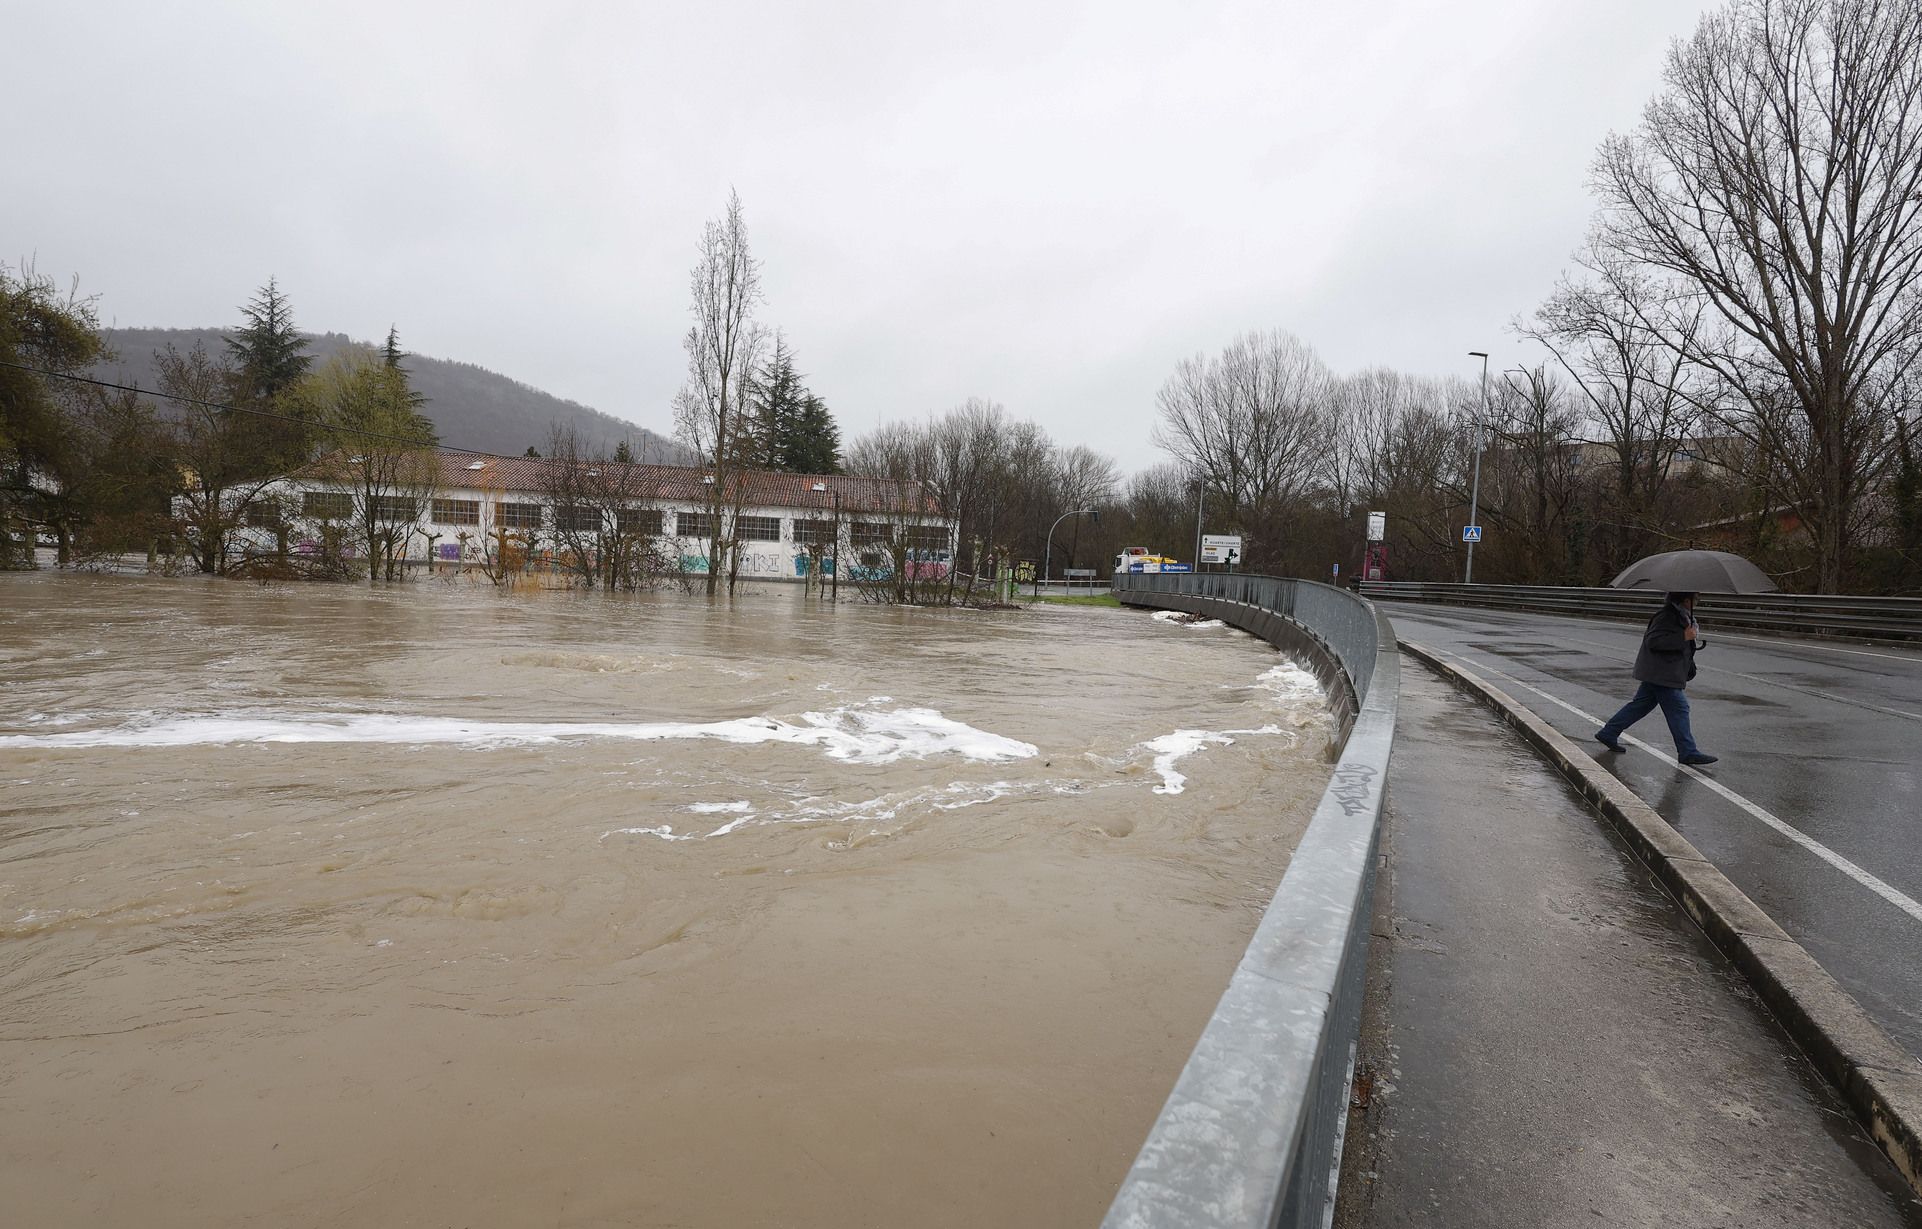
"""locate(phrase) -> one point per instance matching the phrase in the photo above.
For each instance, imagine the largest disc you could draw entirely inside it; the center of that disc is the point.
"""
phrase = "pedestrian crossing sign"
(1471, 533)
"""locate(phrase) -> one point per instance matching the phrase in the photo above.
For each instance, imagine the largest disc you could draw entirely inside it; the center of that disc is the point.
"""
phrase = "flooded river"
(443, 906)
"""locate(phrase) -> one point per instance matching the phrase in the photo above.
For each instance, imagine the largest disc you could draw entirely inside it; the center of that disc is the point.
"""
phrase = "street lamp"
(1047, 555)
(1475, 490)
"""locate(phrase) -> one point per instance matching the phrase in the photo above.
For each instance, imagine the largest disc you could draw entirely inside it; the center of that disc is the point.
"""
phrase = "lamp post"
(1047, 555)
(1475, 489)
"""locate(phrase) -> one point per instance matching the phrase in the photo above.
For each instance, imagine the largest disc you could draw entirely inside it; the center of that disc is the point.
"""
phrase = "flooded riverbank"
(445, 906)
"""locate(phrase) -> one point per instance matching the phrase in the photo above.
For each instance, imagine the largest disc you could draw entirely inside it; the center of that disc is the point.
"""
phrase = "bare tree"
(219, 450)
(607, 516)
(1774, 190)
(1641, 396)
(1251, 423)
(711, 412)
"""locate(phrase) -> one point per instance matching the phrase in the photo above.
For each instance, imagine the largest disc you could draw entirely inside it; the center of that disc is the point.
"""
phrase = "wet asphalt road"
(1548, 1041)
(1825, 737)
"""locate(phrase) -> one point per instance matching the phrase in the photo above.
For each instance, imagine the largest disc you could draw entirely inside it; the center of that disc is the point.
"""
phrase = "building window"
(757, 528)
(870, 533)
(695, 524)
(573, 518)
(396, 508)
(517, 516)
(457, 511)
(327, 505)
(639, 522)
(263, 514)
(928, 537)
(813, 533)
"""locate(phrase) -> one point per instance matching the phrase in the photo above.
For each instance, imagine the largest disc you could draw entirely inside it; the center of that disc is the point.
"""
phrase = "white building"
(480, 502)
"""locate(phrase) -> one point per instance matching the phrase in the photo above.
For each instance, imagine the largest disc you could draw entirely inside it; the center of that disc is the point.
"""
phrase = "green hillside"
(470, 406)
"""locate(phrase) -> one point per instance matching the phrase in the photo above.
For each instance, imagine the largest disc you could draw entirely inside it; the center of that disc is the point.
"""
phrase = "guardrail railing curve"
(1252, 1133)
(1873, 618)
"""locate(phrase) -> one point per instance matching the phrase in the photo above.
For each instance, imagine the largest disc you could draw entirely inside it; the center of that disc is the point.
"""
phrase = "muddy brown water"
(444, 906)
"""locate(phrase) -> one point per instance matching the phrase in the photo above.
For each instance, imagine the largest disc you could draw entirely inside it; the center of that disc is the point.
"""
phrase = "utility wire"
(236, 409)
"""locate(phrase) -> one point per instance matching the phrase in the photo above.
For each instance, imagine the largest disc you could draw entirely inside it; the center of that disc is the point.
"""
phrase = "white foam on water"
(719, 808)
(883, 809)
(856, 735)
(1183, 619)
(1170, 748)
(665, 832)
(1290, 684)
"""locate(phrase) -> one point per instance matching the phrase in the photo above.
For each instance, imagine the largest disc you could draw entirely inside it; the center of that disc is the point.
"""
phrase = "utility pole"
(1475, 489)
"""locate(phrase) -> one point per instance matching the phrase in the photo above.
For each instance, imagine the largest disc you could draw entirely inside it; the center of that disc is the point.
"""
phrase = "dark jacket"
(1667, 658)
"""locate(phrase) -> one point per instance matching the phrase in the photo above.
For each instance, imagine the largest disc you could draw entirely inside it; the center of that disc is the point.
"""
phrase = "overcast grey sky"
(1044, 203)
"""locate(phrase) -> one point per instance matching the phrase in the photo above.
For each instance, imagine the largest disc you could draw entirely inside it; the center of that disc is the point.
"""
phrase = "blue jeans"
(1673, 702)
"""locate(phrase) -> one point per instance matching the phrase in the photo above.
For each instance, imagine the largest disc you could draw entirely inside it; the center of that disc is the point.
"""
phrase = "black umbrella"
(1695, 571)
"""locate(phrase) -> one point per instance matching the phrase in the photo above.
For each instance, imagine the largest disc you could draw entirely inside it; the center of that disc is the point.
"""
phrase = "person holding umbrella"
(1666, 661)
(1664, 667)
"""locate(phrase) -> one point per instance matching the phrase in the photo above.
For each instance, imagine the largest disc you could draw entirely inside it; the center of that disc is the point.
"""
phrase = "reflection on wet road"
(1825, 738)
(448, 906)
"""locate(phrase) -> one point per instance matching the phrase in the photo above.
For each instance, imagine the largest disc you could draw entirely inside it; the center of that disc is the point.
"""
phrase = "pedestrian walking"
(1664, 666)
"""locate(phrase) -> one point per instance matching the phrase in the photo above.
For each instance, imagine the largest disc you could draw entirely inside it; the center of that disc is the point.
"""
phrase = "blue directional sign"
(1471, 533)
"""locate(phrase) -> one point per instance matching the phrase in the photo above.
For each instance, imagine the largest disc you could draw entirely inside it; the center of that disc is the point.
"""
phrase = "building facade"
(463, 509)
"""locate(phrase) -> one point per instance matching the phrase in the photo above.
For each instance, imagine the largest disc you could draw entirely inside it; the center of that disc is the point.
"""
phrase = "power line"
(236, 409)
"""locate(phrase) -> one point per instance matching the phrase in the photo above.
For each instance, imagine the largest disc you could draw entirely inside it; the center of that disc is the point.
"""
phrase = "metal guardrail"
(1873, 618)
(1251, 1135)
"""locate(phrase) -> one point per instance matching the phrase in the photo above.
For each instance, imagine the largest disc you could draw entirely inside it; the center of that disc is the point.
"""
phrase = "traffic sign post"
(1221, 548)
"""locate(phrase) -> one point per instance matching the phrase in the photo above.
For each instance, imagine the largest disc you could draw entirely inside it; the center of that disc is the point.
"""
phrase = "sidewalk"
(1549, 1041)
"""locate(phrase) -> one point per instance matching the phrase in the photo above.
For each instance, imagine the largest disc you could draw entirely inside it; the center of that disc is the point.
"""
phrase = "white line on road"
(1912, 659)
(1826, 648)
(1893, 895)
(1619, 654)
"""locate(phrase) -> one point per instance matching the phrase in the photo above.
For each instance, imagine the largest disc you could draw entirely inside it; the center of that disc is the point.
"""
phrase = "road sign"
(1221, 548)
(1471, 533)
(1377, 526)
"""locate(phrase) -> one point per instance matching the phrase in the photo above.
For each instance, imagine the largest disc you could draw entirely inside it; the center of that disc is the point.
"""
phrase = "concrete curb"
(1879, 1081)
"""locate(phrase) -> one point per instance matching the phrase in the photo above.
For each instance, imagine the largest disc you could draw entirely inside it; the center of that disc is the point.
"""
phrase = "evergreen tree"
(777, 406)
(390, 356)
(794, 430)
(623, 453)
(815, 445)
(271, 355)
(533, 452)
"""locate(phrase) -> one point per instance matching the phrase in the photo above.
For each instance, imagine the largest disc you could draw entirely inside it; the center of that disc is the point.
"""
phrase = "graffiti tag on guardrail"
(1353, 788)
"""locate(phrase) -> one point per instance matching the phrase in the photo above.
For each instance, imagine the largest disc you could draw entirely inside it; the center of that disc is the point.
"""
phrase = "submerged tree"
(723, 351)
(382, 453)
(43, 330)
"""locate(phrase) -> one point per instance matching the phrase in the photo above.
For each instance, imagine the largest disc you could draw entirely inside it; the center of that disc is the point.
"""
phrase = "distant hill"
(470, 406)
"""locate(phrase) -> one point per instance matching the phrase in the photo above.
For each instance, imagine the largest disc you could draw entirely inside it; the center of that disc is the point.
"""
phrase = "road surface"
(1814, 810)
(1549, 1041)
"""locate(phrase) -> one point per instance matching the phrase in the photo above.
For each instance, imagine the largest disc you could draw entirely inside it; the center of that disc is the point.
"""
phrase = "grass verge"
(1079, 599)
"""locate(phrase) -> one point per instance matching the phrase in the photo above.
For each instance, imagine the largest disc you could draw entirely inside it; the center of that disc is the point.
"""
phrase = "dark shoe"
(1612, 746)
(1699, 758)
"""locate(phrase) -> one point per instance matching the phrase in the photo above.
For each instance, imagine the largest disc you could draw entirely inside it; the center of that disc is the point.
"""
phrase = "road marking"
(1826, 648)
(1893, 895)
(1779, 640)
(1619, 655)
